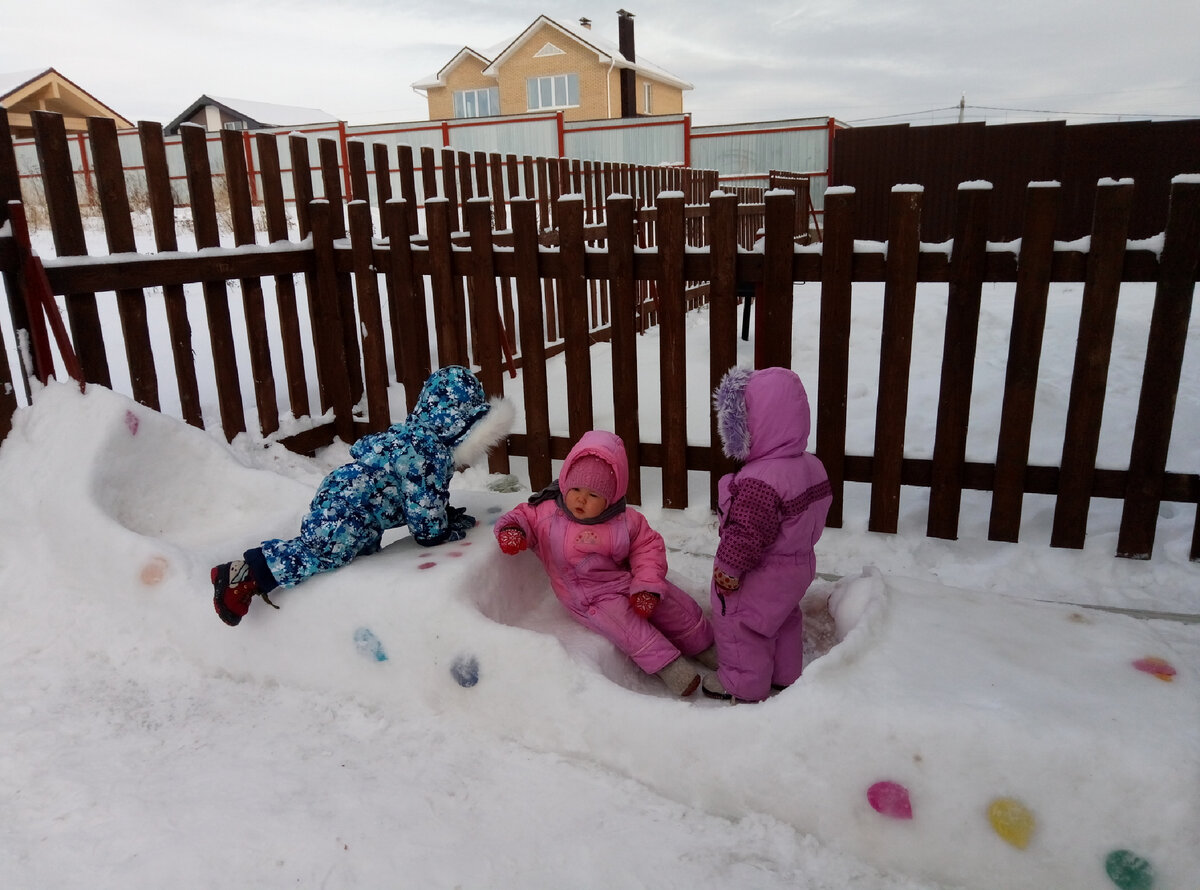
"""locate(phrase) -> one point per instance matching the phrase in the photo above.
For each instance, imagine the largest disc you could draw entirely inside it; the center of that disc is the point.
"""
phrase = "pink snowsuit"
(772, 512)
(593, 568)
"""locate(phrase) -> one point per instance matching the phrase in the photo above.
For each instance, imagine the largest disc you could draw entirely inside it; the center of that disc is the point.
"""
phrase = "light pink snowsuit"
(772, 512)
(593, 568)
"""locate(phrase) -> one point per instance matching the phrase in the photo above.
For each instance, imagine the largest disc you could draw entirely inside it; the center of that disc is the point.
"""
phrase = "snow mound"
(955, 736)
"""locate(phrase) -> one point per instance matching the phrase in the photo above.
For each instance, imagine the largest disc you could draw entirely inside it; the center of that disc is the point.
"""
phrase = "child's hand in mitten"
(512, 540)
(644, 602)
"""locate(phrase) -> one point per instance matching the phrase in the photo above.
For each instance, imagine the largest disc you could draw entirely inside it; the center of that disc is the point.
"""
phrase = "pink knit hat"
(590, 471)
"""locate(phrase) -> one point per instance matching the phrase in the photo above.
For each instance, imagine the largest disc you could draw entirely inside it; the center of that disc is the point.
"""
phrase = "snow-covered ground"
(432, 718)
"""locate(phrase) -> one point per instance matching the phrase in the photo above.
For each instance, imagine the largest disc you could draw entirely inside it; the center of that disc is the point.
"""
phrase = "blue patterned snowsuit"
(400, 476)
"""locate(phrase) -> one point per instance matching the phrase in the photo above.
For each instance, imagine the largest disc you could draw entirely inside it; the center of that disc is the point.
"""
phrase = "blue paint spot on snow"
(369, 645)
(465, 671)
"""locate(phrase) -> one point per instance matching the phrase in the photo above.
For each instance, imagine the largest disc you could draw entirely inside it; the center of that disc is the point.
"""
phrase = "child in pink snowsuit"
(608, 566)
(772, 511)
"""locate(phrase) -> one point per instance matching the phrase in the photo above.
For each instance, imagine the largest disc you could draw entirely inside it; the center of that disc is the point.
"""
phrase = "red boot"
(233, 588)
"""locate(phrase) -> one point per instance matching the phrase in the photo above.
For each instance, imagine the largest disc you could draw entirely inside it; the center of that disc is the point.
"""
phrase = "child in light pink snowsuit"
(608, 566)
(772, 511)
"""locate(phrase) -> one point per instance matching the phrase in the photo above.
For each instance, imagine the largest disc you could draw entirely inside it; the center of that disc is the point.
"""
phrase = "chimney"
(586, 23)
(628, 75)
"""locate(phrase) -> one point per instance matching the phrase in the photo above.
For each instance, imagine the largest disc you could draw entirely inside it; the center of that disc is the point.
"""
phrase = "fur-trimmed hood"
(762, 413)
(453, 405)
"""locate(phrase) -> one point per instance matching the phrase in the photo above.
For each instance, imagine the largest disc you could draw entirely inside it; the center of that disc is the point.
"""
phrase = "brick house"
(551, 66)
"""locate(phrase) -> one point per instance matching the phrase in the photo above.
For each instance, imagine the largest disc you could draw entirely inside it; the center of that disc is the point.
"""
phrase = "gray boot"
(680, 677)
(708, 657)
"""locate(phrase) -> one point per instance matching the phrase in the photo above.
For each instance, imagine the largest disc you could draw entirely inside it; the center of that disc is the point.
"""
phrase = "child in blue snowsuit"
(397, 477)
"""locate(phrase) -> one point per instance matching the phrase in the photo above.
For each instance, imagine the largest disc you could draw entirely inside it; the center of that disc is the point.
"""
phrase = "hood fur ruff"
(729, 401)
(487, 432)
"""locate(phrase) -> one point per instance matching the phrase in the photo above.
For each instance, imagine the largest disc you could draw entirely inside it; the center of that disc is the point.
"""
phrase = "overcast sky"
(861, 61)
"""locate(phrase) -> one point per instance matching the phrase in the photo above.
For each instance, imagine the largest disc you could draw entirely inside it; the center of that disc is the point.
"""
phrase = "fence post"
(62, 203)
(773, 308)
(10, 190)
(118, 230)
(1089, 379)
(1024, 358)
(406, 293)
(325, 305)
(1160, 379)
(623, 291)
(285, 285)
(833, 376)
(895, 356)
(722, 319)
(216, 294)
(958, 360)
(486, 311)
(374, 349)
(241, 212)
(672, 350)
(447, 307)
(526, 255)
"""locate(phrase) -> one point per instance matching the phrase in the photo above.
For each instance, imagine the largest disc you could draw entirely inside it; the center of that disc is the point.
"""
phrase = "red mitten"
(512, 540)
(644, 602)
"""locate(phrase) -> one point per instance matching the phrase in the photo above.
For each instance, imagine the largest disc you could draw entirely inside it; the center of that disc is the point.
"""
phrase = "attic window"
(549, 50)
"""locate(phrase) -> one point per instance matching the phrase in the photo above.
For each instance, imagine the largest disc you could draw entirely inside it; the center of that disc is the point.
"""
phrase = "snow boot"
(714, 688)
(233, 588)
(708, 657)
(680, 677)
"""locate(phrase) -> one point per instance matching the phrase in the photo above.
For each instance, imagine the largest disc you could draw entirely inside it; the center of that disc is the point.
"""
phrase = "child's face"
(584, 503)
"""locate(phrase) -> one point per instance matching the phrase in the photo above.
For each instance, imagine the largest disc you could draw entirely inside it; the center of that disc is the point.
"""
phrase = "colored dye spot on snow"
(1129, 871)
(427, 565)
(464, 543)
(890, 799)
(465, 671)
(154, 570)
(455, 553)
(131, 422)
(1012, 821)
(493, 509)
(368, 645)
(1157, 667)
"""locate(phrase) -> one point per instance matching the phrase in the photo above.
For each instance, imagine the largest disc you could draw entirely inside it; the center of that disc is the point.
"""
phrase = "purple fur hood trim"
(729, 400)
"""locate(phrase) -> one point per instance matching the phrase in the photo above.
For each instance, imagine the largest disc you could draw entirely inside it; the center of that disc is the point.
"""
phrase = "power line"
(1036, 111)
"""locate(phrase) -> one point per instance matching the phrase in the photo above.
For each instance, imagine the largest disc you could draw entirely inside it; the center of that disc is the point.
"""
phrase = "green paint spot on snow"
(1129, 871)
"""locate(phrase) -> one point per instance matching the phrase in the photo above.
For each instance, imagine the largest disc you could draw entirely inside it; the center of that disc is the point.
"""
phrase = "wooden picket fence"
(498, 273)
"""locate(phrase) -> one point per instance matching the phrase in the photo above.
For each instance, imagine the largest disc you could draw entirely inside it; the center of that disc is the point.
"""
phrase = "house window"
(477, 103)
(647, 99)
(559, 91)
(236, 125)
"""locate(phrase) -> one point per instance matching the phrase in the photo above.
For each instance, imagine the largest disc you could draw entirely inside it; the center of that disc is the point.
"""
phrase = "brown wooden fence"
(360, 287)
(1009, 156)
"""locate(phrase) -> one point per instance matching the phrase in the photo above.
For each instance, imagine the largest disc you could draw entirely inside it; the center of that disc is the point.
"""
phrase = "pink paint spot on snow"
(890, 799)
(455, 553)
(427, 565)
(1158, 667)
(131, 422)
